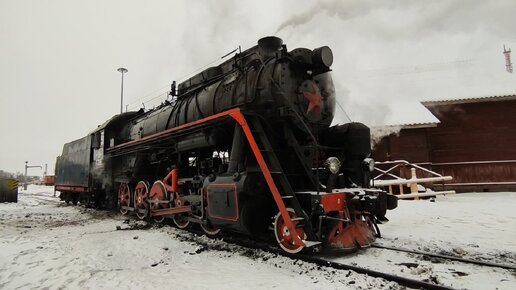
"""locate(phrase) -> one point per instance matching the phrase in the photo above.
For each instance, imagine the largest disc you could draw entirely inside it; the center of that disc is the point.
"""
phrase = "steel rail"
(266, 246)
(314, 259)
(404, 281)
(447, 257)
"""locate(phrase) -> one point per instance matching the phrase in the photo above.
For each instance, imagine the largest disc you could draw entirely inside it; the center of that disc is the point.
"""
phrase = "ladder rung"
(276, 172)
(287, 196)
(297, 219)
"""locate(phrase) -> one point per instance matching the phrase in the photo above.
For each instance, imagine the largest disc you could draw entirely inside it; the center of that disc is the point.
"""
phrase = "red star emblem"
(314, 99)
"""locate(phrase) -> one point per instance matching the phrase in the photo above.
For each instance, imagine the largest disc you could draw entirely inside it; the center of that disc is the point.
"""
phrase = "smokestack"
(270, 45)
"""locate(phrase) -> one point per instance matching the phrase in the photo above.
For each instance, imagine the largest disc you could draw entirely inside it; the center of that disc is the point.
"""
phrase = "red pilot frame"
(350, 228)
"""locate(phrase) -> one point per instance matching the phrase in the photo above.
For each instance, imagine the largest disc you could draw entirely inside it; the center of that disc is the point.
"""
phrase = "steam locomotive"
(245, 147)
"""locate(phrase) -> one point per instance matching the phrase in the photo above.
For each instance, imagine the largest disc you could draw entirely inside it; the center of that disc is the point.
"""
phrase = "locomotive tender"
(244, 146)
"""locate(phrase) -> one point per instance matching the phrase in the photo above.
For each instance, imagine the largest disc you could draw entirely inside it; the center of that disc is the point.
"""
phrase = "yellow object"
(8, 190)
(11, 184)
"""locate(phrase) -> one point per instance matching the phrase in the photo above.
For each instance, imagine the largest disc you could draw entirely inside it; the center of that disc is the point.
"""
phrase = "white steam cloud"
(390, 55)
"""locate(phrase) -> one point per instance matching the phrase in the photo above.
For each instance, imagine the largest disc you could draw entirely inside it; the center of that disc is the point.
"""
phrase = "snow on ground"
(478, 226)
(46, 244)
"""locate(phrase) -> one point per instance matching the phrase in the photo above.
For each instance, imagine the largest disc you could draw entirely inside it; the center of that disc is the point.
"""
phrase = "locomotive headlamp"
(322, 56)
(368, 164)
(333, 164)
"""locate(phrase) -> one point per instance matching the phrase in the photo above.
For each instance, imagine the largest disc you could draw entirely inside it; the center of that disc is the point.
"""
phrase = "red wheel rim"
(283, 235)
(141, 194)
(124, 197)
(209, 229)
(180, 219)
(158, 192)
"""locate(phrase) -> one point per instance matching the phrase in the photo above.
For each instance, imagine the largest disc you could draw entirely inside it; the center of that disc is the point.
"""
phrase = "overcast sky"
(58, 59)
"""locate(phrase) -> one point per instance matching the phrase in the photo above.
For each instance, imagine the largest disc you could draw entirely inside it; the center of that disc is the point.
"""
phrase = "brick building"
(475, 142)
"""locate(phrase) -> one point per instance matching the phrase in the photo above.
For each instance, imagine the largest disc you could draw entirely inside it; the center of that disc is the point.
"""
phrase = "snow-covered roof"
(407, 126)
(470, 100)
(419, 125)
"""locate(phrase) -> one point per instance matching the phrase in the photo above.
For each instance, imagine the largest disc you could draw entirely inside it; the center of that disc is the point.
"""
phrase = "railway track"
(320, 261)
(404, 281)
(46, 200)
(447, 257)
(268, 246)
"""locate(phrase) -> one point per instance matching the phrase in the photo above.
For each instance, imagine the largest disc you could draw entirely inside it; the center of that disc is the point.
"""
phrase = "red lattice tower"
(508, 63)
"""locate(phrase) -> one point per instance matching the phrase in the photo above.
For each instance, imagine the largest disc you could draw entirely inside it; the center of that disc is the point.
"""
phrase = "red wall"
(482, 131)
(474, 142)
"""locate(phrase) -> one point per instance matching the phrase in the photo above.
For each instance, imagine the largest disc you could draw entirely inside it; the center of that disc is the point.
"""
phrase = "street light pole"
(25, 177)
(122, 70)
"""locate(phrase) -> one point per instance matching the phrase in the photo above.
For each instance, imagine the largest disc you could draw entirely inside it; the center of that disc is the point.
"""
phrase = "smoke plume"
(390, 55)
(378, 133)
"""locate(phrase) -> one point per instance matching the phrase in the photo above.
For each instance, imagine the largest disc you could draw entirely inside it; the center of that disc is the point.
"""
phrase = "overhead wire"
(344, 111)
(138, 100)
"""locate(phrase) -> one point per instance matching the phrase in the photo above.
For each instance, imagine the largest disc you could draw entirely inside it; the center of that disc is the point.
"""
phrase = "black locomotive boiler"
(246, 146)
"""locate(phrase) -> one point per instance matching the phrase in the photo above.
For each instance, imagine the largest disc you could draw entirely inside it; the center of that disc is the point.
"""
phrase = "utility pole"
(122, 70)
(25, 178)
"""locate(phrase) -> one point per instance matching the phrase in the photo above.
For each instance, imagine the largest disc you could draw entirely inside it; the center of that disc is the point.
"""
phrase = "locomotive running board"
(237, 115)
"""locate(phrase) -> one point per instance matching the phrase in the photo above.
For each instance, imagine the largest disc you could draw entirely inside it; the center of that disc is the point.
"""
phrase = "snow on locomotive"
(239, 147)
